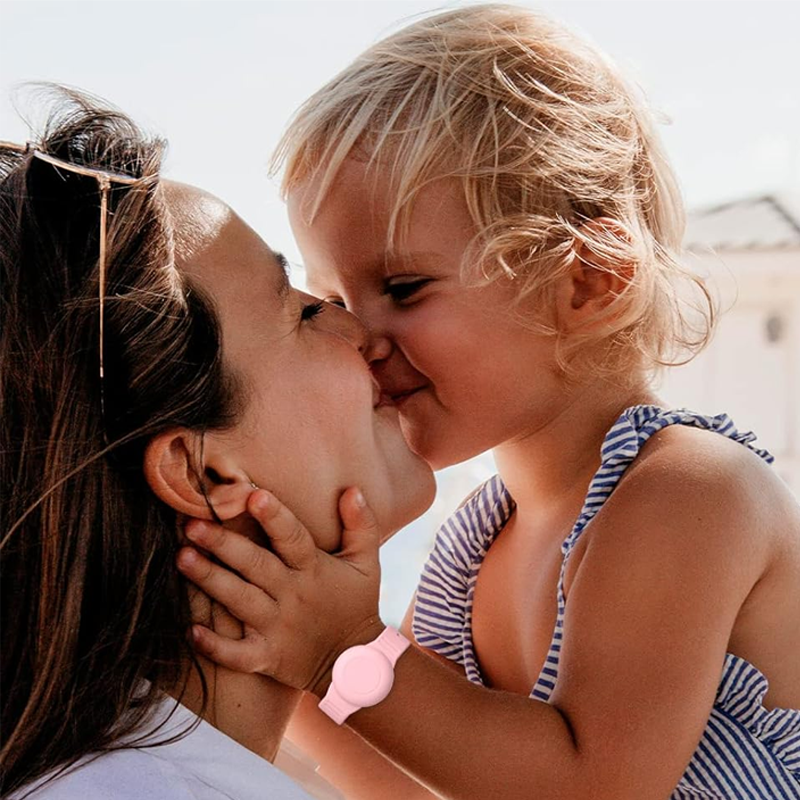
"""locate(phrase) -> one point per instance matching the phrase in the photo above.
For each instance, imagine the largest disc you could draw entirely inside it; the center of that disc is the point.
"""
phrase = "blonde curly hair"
(545, 137)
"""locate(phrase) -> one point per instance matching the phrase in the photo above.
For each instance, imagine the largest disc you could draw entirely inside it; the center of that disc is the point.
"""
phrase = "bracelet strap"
(335, 706)
(391, 643)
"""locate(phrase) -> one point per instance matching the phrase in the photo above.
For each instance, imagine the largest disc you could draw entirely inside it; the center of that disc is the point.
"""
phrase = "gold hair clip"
(104, 180)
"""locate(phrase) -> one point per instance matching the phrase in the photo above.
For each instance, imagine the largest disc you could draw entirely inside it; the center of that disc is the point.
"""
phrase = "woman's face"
(465, 374)
(313, 424)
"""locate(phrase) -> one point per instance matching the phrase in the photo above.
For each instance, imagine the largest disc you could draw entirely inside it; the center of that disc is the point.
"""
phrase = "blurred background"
(220, 79)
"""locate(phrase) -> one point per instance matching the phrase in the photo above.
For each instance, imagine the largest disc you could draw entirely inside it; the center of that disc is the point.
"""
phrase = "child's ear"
(602, 266)
(171, 469)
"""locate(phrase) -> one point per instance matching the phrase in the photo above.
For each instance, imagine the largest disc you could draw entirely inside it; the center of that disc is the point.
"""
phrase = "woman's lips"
(380, 399)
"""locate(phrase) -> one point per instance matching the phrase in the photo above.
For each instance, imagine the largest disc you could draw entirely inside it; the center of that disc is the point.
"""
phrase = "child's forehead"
(364, 216)
(372, 192)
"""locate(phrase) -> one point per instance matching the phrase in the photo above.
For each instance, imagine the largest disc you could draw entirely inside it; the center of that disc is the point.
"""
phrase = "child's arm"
(356, 768)
(670, 559)
(347, 760)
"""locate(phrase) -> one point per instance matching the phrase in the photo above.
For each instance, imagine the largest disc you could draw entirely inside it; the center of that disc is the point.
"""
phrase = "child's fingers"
(240, 655)
(199, 605)
(361, 534)
(213, 615)
(245, 601)
(250, 560)
(289, 538)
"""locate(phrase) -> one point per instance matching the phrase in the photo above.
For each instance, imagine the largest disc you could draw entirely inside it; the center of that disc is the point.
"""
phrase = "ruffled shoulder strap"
(461, 543)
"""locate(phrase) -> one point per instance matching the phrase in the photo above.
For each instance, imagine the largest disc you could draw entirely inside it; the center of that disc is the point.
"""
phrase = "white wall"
(742, 372)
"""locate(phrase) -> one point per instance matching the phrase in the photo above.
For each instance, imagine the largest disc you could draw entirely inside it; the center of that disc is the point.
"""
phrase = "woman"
(154, 364)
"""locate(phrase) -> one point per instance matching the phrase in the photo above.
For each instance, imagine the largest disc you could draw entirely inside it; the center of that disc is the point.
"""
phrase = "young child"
(487, 195)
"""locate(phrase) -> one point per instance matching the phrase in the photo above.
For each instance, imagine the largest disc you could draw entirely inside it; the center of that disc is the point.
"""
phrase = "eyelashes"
(403, 291)
(398, 292)
(312, 310)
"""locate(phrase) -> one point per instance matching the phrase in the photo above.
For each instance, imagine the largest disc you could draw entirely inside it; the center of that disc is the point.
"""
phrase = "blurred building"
(750, 252)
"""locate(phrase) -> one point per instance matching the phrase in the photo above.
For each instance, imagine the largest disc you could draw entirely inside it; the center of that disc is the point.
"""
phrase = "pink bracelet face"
(363, 676)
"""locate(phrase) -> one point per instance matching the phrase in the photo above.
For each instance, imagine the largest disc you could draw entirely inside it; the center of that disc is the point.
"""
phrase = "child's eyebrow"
(391, 262)
(283, 285)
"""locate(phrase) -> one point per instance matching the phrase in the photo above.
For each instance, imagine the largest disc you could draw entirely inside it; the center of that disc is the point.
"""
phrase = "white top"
(203, 765)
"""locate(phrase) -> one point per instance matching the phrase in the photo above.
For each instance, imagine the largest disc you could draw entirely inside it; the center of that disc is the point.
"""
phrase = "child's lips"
(399, 398)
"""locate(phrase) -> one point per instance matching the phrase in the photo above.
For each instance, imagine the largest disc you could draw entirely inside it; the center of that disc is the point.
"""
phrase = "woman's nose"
(348, 326)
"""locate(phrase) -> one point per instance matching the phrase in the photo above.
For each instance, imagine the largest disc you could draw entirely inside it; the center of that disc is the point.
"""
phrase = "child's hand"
(301, 606)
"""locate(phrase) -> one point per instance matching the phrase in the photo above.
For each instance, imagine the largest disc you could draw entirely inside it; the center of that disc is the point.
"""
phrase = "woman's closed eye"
(311, 310)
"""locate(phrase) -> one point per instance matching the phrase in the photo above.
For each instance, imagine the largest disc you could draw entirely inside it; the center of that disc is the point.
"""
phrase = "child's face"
(465, 375)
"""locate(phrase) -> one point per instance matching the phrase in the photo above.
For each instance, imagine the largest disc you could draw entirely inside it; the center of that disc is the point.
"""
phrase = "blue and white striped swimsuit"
(746, 751)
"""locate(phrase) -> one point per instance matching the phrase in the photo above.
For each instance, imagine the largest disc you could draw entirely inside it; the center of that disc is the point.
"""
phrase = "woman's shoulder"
(125, 774)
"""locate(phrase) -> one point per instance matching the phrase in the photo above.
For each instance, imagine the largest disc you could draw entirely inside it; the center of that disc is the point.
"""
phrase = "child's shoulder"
(701, 465)
(695, 492)
(664, 589)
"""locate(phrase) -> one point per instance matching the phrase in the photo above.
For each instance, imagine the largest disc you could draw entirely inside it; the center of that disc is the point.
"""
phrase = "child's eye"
(311, 310)
(336, 301)
(404, 290)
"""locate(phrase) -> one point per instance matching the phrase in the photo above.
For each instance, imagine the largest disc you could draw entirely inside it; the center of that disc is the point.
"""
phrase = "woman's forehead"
(226, 258)
(197, 218)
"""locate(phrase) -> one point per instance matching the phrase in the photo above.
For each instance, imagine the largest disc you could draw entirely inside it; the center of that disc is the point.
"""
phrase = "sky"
(220, 80)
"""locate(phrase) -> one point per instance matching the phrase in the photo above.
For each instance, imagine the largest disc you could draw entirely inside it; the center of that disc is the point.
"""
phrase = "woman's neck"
(251, 709)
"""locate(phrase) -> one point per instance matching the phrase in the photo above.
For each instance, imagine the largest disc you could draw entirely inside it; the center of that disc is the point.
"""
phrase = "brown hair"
(544, 135)
(91, 602)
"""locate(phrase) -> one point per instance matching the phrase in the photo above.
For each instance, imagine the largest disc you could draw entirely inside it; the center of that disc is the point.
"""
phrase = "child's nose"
(379, 345)
(379, 348)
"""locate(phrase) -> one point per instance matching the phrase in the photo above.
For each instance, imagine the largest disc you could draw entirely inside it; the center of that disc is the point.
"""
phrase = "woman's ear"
(173, 472)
